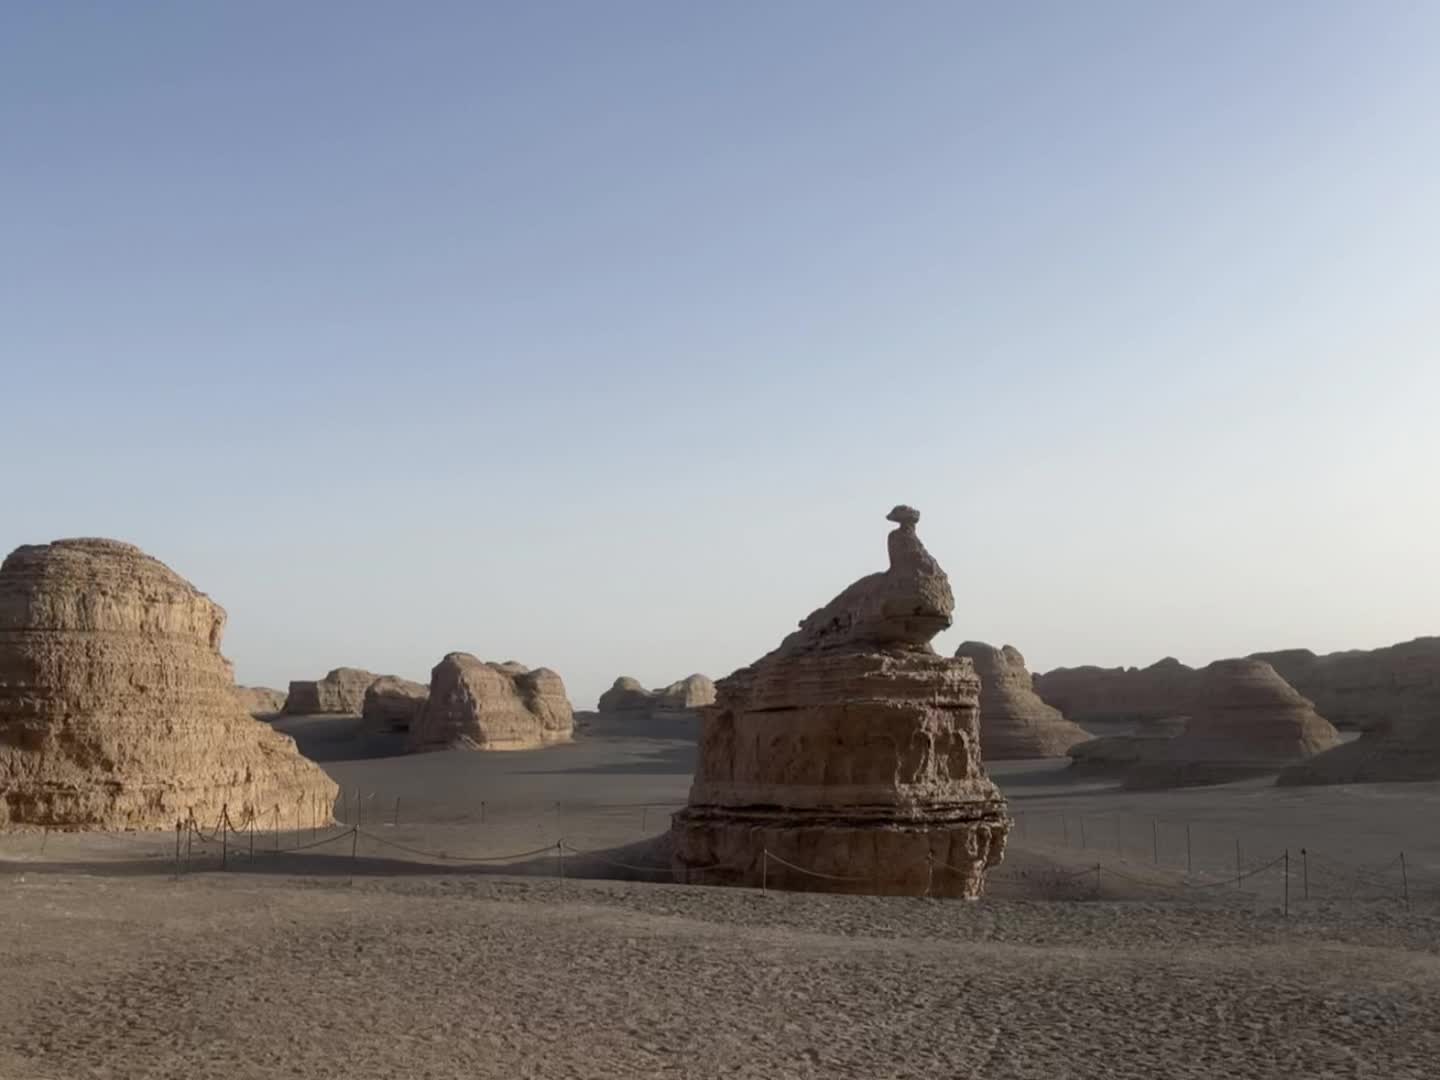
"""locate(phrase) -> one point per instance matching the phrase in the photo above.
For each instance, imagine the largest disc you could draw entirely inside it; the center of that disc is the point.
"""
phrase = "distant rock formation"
(392, 704)
(341, 691)
(1245, 720)
(475, 705)
(627, 695)
(260, 701)
(1158, 692)
(117, 710)
(1014, 722)
(1367, 689)
(852, 750)
(1403, 750)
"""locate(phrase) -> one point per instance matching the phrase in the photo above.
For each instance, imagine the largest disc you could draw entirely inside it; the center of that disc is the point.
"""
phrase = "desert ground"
(387, 960)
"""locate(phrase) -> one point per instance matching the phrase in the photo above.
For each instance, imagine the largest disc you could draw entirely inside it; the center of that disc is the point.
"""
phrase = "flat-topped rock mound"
(1245, 719)
(261, 701)
(392, 704)
(1014, 722)
(848, 759)
(1089, 693)
(1366, 689)
(629, 695)
(478, 705)
(341, 691)
(117, 709)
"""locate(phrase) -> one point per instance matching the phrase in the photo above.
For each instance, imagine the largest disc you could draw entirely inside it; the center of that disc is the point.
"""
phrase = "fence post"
(277, 826)
(1305, 870)
(44, 839)
(252, 832)
(224, 833)
(1405, 880)
(1097, 880)
(560, 856)
(396, 822)
(359, 809)
(189, 838)
(354, 845)
(482, 811)
(177, 849)
(1287, 883)
(1189, 861)
(929, 872)
(1155, 838)
(764, 869)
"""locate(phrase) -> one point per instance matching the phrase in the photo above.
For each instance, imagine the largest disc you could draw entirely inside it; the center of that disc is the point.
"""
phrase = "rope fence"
(1297, 874)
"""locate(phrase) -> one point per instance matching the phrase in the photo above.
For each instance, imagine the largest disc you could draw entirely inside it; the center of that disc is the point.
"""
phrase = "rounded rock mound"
(1244, 720)
(1014, 722)
(479, 705)
(117, 709)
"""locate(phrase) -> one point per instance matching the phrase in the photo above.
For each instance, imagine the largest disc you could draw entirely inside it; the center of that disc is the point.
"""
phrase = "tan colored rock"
(392, 704)
(852, 751)
(117, 710)
(1404, 750)
(1244, 720)
(1366, 689)
(341, 691)
(1084, 694)
(1014, 722)
(260, 701)
(475, 705)
(628, 695)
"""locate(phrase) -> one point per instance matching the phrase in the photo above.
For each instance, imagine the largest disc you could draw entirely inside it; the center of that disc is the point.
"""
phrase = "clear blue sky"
(602, 336)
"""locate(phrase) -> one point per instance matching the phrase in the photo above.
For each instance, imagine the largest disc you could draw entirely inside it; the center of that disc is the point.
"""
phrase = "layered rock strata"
(628, 695)
(340, 691)
(848, 759)
(1014, 722)
(1406, 750)
(480, 705)
(1367, 689)
(1086, 694)
(1244, 720)
(391, 704)
(117, 710)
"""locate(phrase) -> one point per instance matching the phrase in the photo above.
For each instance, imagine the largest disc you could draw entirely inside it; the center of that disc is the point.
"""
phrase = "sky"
(603, 336)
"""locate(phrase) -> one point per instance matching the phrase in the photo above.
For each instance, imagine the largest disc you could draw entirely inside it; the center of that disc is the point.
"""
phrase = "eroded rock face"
(117, 710)
(392, 704)
(260, 701)
(475, 705)
(1366, 689)
(1014, 722)
(1160, 691)
(341, 691)
(852, 750)
(1245, 720)
(628, 695)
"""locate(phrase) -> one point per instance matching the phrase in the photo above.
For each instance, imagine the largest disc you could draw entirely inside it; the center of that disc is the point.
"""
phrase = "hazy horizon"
(603, 338)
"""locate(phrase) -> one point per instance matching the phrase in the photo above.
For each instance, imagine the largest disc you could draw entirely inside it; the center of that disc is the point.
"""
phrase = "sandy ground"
(241, 976)
(317, 963)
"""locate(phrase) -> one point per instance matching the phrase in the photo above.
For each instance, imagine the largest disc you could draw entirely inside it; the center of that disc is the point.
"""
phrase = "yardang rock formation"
(628, 695)
(1367, 689)
(1014, 722)
(1244, 720)
(117, 710)
(1159, 692)
(341, 691)
(392, 704)
(848, 759)
(261, 700)
(476, 705)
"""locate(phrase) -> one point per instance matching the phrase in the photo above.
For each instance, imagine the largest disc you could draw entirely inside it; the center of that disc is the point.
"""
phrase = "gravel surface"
(246, 976)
